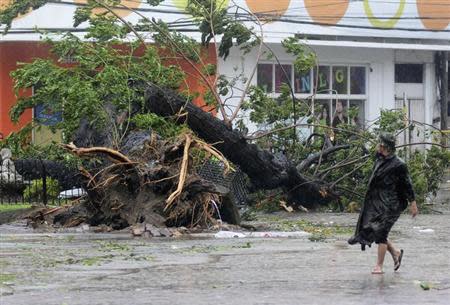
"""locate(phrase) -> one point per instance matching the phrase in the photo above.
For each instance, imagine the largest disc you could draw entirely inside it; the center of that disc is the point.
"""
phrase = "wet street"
(105, 268)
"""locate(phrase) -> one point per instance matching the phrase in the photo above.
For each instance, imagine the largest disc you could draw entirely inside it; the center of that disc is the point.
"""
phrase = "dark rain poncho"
(389, 190)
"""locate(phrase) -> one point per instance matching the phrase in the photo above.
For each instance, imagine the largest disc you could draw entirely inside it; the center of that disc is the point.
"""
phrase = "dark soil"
(11, 216)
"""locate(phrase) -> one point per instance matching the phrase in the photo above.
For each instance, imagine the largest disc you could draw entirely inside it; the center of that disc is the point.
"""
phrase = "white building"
(371, 54)
(378, 55)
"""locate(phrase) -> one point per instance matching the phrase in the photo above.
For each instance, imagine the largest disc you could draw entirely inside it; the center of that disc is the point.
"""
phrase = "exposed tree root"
(157, 185)
(189, 142)
(183, 173)
(112, 154)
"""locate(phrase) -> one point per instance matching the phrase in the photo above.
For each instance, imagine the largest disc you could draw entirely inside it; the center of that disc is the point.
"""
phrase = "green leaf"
(425, 285)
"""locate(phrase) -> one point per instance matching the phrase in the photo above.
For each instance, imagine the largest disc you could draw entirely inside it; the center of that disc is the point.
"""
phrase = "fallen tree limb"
(346, 175)
(327, 170)
(258, 164)
(322, 154)
(424, 143)
(266, 133)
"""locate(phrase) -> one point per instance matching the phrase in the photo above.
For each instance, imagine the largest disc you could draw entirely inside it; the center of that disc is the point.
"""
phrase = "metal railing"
(236, 181)
(415, 112)
(30, 182)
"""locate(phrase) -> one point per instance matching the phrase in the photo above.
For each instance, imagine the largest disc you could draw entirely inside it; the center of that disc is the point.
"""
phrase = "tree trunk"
(260, 165)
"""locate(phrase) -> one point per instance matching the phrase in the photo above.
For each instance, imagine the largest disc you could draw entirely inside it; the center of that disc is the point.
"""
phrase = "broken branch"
(112, 154)
(183, 172)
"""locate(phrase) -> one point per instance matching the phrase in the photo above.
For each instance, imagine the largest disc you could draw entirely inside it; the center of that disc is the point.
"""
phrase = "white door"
(409, 95)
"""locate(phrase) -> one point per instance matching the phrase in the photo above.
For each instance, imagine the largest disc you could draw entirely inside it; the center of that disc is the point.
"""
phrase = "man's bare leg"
(395, 253)
(382, 248)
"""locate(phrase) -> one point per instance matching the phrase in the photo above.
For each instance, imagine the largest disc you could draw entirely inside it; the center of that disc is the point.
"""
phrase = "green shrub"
(267, 201)
(163, 127)
(34, 191)
(427, 169)
(21, 147)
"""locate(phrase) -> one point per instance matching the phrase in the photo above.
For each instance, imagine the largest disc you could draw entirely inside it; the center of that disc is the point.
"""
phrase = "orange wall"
(193, 82)
(12, 53)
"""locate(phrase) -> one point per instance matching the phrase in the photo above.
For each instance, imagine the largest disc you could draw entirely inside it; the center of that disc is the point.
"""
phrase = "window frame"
(331, 96)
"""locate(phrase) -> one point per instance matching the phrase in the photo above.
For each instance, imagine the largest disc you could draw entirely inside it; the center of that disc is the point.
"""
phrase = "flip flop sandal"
(377, 272)
(399, 261)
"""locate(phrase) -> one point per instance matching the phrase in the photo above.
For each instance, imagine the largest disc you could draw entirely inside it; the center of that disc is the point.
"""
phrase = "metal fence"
(415, 112)
(36, 182)
(236, 181)
(49, 183)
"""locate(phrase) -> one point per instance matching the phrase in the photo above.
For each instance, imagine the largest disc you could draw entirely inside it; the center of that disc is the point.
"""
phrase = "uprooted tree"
(138, 138)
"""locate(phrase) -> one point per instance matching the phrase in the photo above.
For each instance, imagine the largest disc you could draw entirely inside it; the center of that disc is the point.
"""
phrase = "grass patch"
(319, 231)
(87, 261)
(315, 228)
(108, 246)
(136, 257)
(5, 278)
(91, 261)
(4, 264)
(209, 248)
(249, 215)
(317, 238)
(69, 238)
(13, 207)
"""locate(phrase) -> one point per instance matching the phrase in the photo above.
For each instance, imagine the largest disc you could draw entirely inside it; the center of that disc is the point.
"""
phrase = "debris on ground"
(268, 234)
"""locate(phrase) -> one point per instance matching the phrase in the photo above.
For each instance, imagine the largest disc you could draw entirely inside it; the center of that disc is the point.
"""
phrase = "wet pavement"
(114, 268)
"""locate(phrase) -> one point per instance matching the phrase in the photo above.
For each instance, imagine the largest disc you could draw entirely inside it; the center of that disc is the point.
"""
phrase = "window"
(341, 90)
(46, 116)
(302, 82)
(409, 73)
(356, 112)
(340, 81)
(322, 112)
(334, 112)
(282, 76)
(265, 76)
(323, 79)
(357, 80)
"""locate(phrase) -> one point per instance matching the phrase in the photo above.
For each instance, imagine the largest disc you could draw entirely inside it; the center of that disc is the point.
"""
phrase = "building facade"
(372, 54)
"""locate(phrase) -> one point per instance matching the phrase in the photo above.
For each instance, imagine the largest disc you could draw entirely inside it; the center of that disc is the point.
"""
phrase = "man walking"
(388, 193)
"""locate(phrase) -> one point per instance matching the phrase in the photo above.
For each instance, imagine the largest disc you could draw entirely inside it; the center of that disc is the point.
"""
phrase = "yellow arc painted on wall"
(182, 4)
(387, 24)
(122, 12)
